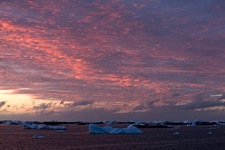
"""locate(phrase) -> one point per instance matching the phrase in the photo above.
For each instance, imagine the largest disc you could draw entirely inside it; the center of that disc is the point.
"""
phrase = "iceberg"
(43, 127)
(11, 122)
(95, 129)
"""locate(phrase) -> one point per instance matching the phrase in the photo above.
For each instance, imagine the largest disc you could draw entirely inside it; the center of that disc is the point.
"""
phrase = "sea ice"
(38, 136)
(43, 127)
(60, 131)
(176, 133)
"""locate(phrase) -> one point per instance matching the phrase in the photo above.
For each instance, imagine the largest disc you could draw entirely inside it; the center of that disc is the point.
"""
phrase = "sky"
(112, 60)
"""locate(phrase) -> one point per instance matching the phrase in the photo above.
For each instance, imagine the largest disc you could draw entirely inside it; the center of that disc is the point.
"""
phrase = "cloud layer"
(122, 56)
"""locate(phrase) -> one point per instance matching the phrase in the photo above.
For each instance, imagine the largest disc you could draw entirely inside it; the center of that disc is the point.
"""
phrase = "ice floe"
(43, 127)
(176, 133)
(60, 131)
(38, 136)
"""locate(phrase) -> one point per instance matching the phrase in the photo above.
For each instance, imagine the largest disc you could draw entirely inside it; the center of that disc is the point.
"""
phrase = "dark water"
(77, 137)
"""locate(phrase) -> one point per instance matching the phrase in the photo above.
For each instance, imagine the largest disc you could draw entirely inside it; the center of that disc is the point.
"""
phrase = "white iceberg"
(110, 122)
(95, 129)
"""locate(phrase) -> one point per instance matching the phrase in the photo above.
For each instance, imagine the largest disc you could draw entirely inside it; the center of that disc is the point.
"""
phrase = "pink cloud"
(112, 51)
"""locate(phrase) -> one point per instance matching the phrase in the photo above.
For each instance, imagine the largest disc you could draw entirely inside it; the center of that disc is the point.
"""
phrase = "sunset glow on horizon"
(112, 60)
